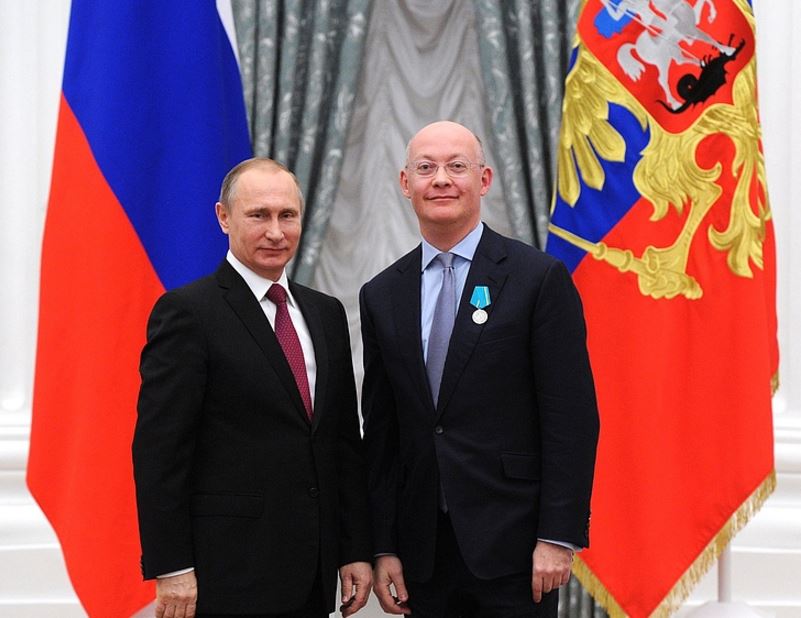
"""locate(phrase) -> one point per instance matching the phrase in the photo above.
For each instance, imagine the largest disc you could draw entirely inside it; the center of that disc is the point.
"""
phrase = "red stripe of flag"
(91, 318)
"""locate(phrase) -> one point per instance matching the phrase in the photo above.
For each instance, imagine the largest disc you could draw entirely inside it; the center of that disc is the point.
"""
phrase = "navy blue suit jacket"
(513, 437)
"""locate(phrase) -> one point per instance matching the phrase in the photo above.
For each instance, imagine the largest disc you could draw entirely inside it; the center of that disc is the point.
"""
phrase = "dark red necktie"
(288, 338)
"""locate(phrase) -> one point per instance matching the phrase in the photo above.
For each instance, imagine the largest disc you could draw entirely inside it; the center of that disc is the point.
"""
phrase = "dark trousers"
(454, 592)
(315, 607)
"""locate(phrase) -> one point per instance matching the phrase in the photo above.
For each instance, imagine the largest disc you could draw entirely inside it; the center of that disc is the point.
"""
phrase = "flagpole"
(724, 576)
(724, 607)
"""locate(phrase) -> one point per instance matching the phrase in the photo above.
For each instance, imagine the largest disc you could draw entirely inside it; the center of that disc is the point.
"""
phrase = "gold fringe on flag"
(596, 589)
(684, 586)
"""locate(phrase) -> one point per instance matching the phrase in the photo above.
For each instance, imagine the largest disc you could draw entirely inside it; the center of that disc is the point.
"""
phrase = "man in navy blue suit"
(479, 406)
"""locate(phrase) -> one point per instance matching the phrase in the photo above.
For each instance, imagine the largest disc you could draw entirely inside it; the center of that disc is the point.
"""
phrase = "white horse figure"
(673, 23)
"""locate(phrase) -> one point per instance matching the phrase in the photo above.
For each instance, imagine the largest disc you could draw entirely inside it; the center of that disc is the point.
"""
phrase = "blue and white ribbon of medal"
(479, 300)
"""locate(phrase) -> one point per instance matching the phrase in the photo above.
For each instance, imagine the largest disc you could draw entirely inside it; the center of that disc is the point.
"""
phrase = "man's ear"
(222, 216)
(486, 179)
(404, 183)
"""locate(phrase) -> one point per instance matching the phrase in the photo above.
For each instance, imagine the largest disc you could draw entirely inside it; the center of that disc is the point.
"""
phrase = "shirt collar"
(258, 284)
(465, 248)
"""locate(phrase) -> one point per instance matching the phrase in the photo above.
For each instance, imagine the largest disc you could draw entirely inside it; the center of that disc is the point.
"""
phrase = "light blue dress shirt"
(430, 283)
(431, 279)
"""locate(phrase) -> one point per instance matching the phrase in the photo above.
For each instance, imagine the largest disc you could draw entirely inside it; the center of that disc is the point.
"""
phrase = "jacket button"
(314, 492)
(439, 430)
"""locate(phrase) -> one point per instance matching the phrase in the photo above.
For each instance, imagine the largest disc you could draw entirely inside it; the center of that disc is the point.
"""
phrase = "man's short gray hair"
(228, 188)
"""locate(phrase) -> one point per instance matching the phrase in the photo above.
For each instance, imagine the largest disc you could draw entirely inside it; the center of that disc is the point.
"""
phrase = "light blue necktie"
(442, 325)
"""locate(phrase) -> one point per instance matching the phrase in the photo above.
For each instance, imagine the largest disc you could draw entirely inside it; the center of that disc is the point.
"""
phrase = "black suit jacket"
(231, 478)
(513, 437)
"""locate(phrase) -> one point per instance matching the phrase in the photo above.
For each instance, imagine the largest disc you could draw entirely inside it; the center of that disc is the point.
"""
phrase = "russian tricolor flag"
(151, 118)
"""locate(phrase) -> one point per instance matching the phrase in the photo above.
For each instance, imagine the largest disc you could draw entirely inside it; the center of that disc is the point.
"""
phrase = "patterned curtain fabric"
(423, 62)
(525, 48)
(420, 65)
(300, 63)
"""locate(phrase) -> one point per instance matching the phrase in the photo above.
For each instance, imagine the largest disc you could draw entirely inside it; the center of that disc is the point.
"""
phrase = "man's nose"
(441, 177)
(272, 230)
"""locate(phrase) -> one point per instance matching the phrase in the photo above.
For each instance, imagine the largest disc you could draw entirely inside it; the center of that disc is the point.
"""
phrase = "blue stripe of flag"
(156, 88)
(597, 212)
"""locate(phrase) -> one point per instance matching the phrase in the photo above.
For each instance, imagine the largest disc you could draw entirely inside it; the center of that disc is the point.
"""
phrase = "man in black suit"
(250, 477)
(480, 436)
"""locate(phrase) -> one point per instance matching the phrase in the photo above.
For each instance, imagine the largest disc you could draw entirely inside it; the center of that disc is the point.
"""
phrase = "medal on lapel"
(479, 300)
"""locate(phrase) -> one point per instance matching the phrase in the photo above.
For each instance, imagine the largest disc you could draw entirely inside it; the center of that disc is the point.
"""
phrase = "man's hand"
(388, 574)
(551, 568)
(176, 596)
(356, 579)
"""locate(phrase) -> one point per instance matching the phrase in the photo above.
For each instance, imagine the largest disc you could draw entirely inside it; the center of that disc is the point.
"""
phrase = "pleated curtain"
(336, 88)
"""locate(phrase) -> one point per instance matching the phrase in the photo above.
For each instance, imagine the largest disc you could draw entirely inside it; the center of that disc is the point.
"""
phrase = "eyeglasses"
(455, 169)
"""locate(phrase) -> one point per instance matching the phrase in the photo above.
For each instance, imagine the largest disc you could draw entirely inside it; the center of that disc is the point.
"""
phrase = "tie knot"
(445, 259)
(276, 294)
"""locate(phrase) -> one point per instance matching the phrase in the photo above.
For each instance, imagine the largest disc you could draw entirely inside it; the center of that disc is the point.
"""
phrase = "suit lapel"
(242, 301)
(406, 313)
(314, 322)
(487, 268)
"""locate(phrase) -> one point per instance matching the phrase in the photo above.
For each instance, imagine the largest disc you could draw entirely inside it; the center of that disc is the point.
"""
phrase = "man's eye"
(457, 166)
(425, 167)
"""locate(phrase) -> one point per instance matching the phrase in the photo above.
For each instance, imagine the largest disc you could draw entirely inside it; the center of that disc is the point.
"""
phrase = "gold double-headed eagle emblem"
(667, 175)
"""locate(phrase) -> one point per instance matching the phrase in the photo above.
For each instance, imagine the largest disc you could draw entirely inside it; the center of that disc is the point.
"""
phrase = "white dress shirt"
(259, 286)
